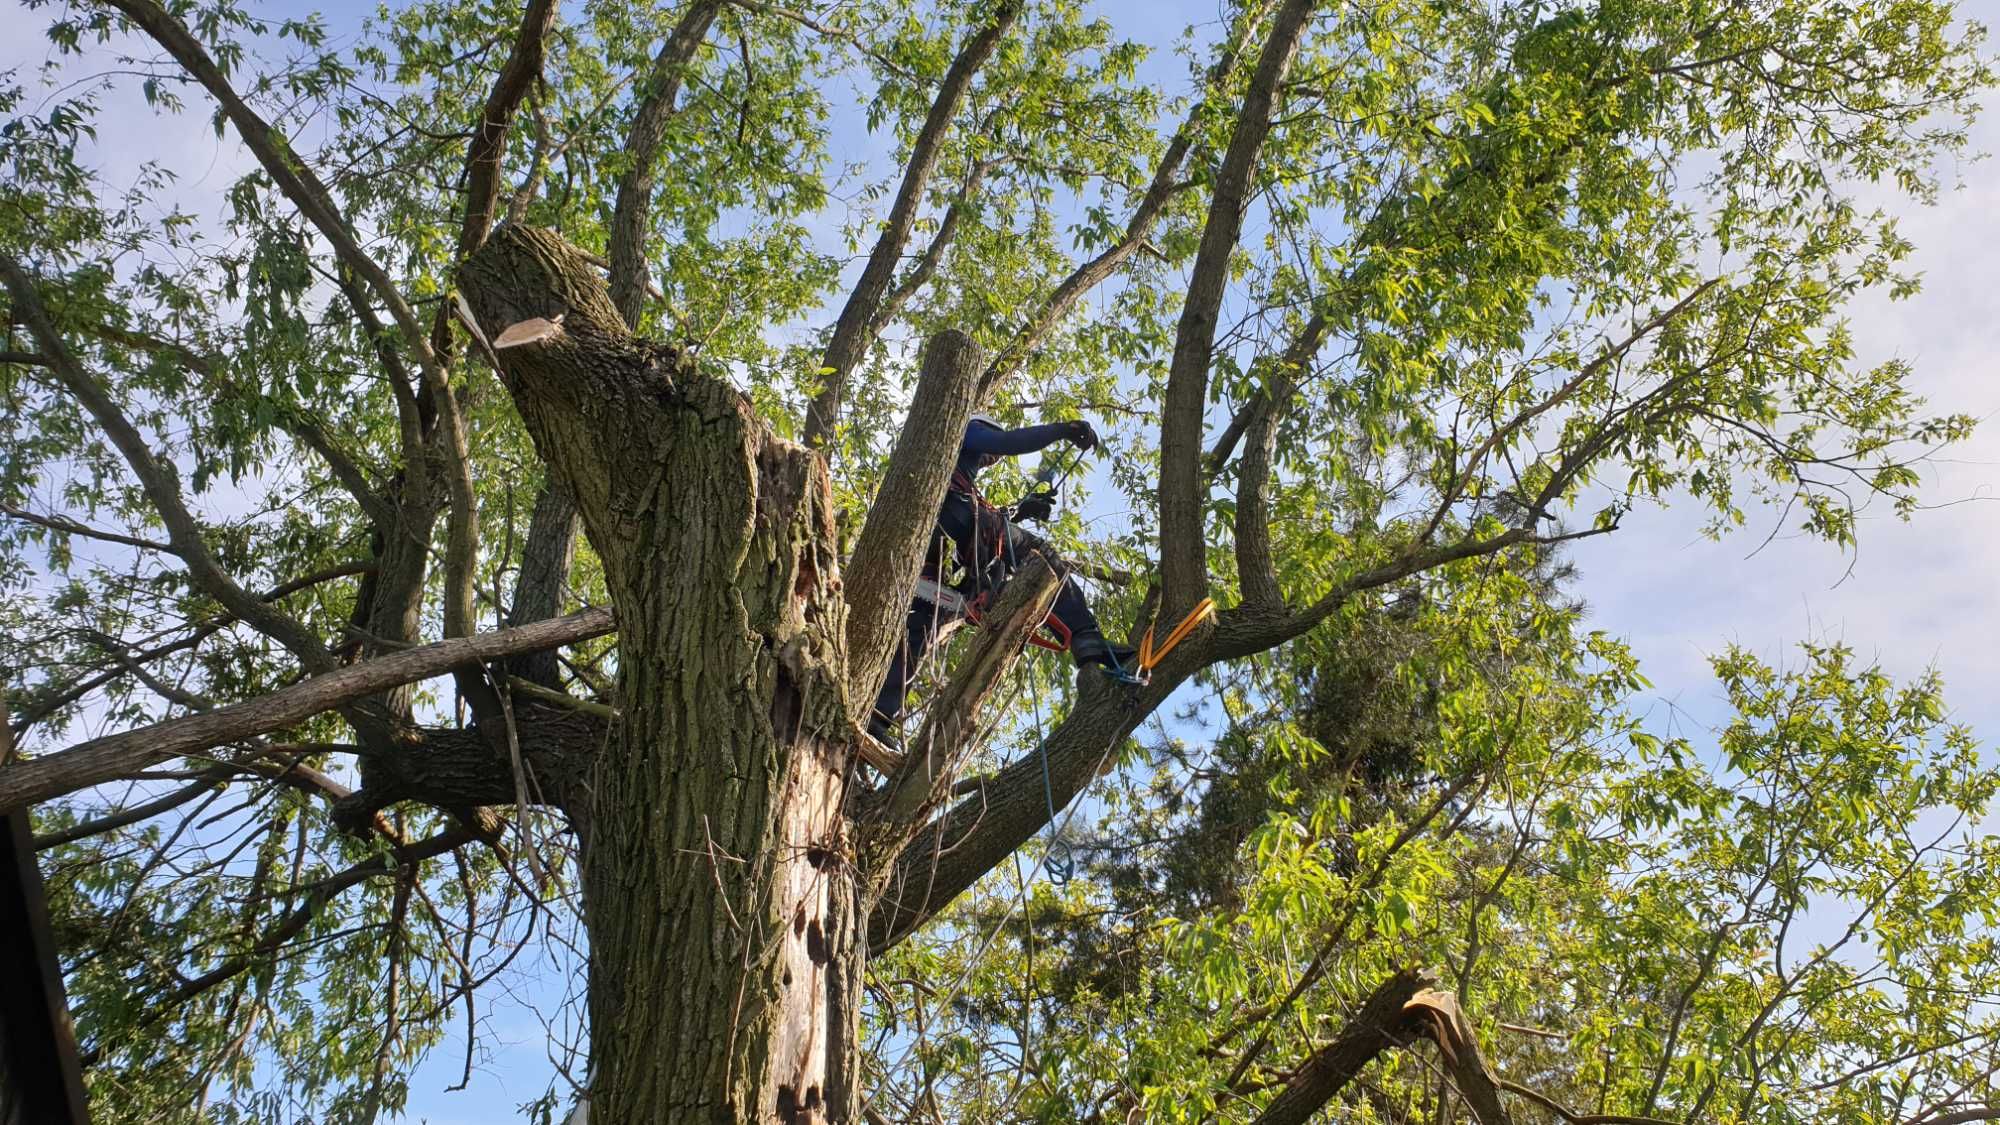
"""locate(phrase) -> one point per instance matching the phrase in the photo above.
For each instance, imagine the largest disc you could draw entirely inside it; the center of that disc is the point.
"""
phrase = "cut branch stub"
(590, 392)
(953, 717)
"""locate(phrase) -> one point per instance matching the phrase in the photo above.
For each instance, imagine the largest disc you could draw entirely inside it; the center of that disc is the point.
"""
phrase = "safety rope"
(1057, 857)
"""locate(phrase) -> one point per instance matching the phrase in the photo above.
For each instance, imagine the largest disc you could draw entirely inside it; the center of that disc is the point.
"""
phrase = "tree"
(1396, 299)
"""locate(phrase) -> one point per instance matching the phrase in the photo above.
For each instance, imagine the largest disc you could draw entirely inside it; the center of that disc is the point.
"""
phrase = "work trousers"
(924, 620)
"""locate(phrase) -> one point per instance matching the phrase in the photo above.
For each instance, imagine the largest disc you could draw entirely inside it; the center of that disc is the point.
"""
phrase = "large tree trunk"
(724, 911)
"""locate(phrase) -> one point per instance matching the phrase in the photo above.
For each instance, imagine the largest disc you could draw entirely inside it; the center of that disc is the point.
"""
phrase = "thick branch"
(1254, 571)
(1380, 1025)
(902, 521)
(957, 849)
(927, 265)
(1243, 632)
(299, 184)
(642, 147)
(854, 332)
(545, 563)
(1183, 566)
(105, 759)
(489, 142)
(455, 768)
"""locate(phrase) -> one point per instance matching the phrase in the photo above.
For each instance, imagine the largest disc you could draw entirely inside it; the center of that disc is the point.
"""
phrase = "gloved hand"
(1081, 435)
(1036, 506)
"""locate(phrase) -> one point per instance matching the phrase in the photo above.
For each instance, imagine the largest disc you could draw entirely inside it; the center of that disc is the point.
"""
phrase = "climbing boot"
(1088, 646)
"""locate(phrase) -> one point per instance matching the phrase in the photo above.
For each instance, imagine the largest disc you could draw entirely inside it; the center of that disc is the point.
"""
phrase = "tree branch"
(1183, 566)
(113, 756)
(293, 924)
(634, 205)
(1254, 571)
(489, 143)
(1380, 1025)
(854, 332)
(927, 265)
(545, 564)
(902, 520)
(161, 485)
(955, 850)
(71, 527)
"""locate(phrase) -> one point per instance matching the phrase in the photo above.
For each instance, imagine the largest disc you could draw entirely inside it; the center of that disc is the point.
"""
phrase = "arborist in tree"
(987, 546)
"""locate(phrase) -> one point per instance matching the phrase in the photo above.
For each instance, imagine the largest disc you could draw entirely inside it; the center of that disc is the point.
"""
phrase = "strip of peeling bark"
(854, 332)
(105, 759)
(1183, 565)
(1440, 1017)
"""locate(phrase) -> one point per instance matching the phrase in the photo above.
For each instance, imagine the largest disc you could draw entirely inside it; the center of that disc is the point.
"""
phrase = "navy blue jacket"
(983, 444)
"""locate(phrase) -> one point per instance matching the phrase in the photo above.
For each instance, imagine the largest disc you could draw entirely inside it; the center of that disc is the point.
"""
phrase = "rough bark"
(455, 768)
(724, 914)
(903, 519)
(1183, 568)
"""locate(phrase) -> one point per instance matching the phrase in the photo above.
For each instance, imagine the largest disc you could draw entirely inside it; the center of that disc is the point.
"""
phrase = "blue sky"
(1913, 595)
